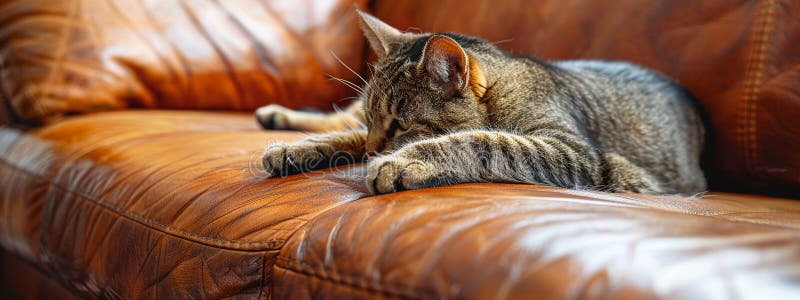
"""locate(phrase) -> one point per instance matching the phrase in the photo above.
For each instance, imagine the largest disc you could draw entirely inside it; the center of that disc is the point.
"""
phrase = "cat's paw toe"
(286, 159)
(274, 160)
(392, 174)
(273, 116)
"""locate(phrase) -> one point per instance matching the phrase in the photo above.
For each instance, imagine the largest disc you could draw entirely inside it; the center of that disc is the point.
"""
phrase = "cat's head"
(423, 84)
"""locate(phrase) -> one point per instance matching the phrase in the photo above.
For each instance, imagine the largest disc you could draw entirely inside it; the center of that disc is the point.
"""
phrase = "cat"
(446, 108)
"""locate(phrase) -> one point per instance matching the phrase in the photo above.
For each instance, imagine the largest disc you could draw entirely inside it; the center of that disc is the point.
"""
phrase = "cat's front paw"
(393, 173)
(286, 159)
(273, 116)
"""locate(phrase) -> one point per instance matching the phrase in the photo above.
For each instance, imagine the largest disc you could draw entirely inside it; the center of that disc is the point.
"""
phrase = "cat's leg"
(625, 176)
(274, 116)
(555, 158)
(315, 152)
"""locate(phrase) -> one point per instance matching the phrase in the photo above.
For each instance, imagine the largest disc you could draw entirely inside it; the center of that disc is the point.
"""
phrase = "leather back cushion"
(73, 56)
(741, 59)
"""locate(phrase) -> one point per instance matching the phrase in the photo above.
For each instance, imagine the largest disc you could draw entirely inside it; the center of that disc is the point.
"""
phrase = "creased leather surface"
(146, 204)
(502, 241)
(89, 55)
(740, 58)
(163, 204)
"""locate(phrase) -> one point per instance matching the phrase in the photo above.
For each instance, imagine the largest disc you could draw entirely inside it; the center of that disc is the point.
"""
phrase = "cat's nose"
(375, 145)
(371, 154)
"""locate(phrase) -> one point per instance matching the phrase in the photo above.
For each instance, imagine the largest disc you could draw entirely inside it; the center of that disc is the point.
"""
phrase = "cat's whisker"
(503, 41)
(354, 86)
(349, 84)
(371, 84)
(348, 98)
(348, 67)
(361, 125)
(338, 110)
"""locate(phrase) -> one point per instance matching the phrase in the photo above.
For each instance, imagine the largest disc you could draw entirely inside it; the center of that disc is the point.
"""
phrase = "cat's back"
(638, 113)
(624, 75)
(625, 89)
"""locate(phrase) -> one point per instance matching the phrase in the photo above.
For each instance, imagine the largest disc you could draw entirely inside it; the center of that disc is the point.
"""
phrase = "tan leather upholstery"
(161, 204)
(143, 203)
(70, 56)
(739, 58)
(167, 204)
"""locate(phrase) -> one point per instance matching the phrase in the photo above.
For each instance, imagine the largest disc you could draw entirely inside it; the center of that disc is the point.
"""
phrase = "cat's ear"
(446, 63)
(381, 36)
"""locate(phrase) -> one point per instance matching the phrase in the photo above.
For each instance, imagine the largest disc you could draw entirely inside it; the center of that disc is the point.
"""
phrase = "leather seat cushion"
(168, 204)
(145, 203)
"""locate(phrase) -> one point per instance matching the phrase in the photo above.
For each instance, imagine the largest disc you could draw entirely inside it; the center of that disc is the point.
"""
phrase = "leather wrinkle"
(184, 63)
(394, 290)
(264, 61)
(72, 66)
(226, 62)
(151, 249)
(451, 232)
(179, 171)
(161, 277)
(159, 227)
(192, 201)
(202, 272)
(145, 178)
(12, 20)
(329, 258)
(108, 230)
(263, 276)
(172, 74)
(157, 170)
(61, 46)
(294, 35)
(280, 89)
(241, 93)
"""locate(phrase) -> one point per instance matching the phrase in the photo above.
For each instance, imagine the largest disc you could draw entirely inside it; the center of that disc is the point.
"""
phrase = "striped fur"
(445, 109)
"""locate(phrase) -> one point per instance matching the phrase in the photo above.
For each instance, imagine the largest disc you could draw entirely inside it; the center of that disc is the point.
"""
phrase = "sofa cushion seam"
(347, 280)
(753, 77)
(273, 244)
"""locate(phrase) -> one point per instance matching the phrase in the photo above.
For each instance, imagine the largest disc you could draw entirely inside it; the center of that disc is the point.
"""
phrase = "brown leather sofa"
(129, 158)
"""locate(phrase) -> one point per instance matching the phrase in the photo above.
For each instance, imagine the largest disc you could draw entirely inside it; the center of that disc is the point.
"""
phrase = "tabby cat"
(446, 108)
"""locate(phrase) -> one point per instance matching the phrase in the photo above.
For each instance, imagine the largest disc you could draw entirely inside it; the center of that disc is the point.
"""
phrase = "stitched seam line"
(274, 244)
(353, 282)
(753, 78)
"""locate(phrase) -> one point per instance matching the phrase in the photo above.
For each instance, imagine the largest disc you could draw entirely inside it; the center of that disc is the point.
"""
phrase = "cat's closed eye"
(395, 128)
